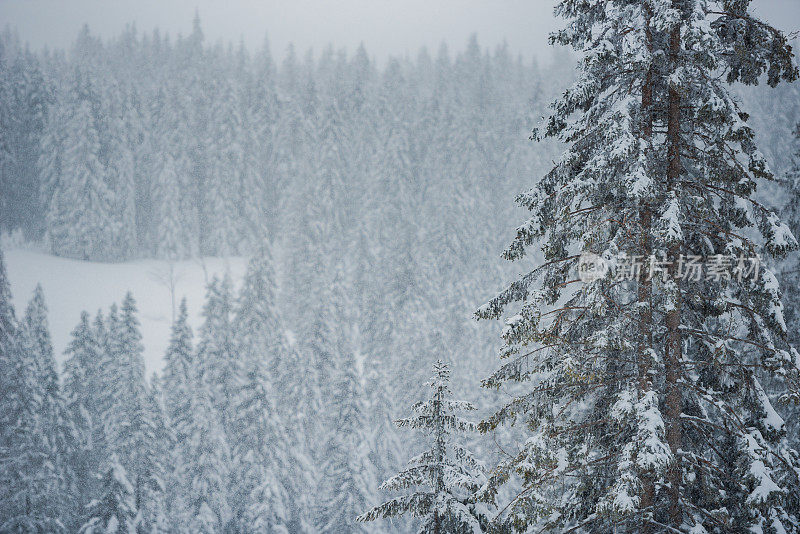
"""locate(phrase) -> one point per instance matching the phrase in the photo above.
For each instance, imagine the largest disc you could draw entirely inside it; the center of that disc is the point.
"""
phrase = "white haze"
(386, 27)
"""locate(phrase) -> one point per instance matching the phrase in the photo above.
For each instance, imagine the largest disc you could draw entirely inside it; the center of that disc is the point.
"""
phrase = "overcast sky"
(387, 27)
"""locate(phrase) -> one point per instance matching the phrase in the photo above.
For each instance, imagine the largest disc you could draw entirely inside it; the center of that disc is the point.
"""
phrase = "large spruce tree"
(642, 394)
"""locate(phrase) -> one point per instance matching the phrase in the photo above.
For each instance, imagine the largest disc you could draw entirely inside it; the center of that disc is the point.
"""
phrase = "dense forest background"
(375, 201)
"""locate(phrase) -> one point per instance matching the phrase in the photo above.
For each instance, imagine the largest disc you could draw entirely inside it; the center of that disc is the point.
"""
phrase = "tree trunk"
(674, 343)
(644, 290)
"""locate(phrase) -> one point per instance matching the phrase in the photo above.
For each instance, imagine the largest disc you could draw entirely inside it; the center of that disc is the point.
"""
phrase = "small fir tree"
(447, 474)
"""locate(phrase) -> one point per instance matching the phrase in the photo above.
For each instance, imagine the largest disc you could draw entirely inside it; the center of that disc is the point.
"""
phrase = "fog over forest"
(317, 241)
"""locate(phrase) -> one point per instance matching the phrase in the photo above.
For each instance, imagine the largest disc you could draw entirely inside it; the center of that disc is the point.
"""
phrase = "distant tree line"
(146, 146)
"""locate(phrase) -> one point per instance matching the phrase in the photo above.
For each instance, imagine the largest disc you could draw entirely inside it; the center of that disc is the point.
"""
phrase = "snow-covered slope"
(71, 286)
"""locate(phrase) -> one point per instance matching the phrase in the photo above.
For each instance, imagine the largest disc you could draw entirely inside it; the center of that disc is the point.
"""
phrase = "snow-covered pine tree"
(374, 339)
(146, 134)
(258, 494)
(80, 212)
(217, 361)
(574, 362)
(195, 102)
(172, 241)
(206, 465)
(447, 474)
(259, 445)
(9, 354)
(155, 463)
(633, 383)
(104, 333)
(20, 454)
(50, 165)
(294, 402)
(257, 328)
(204, 469)
(311, 386)
(178, 223)
(177, 375)
(6, 121)
(254, 182)
(178, 383)
(83, 393)
(32, 480)
(22, 118)
(36, 330)
(120, 167)
(226, 167)
(114, 511)
(51, 443)
(346, 485)
(790, 276)
(125, 394)
(264, 185)
(296, 397)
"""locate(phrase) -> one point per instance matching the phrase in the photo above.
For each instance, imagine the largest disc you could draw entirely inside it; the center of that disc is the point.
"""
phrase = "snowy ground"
(71, 286)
